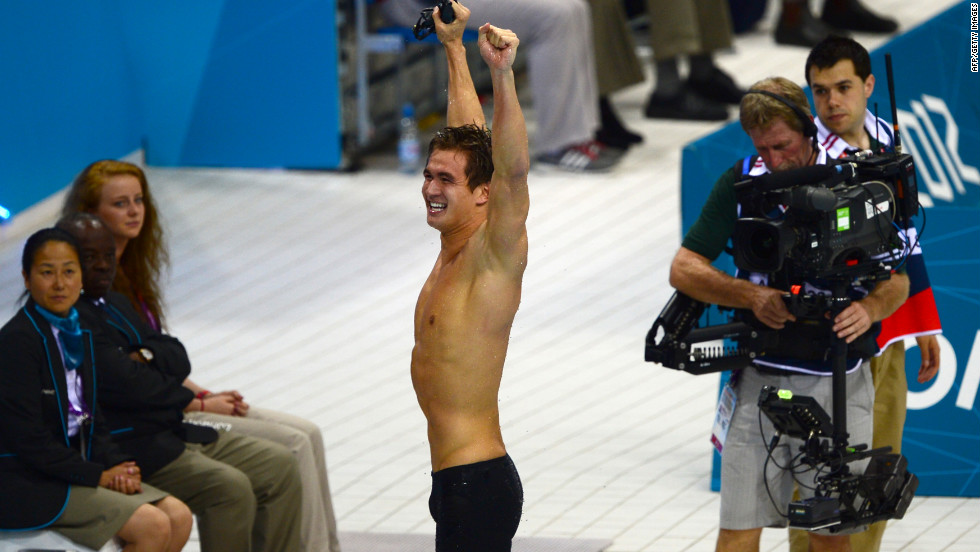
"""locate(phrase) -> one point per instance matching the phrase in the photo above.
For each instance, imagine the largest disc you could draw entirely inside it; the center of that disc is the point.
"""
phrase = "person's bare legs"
(147, 530)
(181, 522)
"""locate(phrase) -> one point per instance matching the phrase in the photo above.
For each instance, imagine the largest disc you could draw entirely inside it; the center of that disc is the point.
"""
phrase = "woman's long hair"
(145, 257)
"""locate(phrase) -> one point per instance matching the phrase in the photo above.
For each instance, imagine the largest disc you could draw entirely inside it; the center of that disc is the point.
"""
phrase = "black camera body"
(426, 26)
(826, 220)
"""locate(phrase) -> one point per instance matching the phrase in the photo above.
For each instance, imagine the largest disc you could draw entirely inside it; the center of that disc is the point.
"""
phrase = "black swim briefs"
(477, 507)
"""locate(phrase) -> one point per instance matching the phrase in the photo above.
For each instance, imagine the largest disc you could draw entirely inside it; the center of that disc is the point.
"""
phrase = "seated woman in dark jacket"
(58, 468)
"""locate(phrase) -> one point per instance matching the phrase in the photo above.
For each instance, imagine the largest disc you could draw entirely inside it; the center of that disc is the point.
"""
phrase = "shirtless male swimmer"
(476, 196)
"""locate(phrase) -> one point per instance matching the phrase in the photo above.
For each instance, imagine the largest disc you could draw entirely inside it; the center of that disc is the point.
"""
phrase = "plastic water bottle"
(408, 141)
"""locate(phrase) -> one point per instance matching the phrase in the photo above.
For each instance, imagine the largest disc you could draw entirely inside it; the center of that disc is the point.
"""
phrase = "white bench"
(15, 541)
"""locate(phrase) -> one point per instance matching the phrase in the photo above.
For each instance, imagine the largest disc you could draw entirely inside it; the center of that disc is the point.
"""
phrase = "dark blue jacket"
(143, 402)
(38, 461)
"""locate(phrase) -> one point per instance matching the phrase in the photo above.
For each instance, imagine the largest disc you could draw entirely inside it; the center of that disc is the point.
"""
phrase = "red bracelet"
(201, 395)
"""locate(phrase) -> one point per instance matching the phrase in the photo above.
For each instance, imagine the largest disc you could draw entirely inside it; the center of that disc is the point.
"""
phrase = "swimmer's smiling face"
(449, 201)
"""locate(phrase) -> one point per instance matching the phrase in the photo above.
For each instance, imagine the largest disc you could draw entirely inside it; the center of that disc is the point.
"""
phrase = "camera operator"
(838, 70)
(782, 132)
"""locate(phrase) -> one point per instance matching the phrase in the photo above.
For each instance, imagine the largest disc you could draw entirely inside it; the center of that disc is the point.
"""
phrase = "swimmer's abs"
(462, 415)
(460, 441)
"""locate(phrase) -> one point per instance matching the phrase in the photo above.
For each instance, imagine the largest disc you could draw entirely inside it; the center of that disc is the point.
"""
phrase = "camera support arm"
(673, 339)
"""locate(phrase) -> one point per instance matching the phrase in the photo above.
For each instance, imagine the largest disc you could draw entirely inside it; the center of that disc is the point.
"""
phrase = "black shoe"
(619, 139)
(611, 131)
(856, 17)
(686, 105)
(808, 32)
(718, 87)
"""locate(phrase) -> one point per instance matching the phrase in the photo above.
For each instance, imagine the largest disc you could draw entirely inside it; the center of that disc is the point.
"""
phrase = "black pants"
(477, 507)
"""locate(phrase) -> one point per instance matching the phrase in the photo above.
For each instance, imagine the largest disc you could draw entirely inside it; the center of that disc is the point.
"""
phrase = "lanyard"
(84, 419)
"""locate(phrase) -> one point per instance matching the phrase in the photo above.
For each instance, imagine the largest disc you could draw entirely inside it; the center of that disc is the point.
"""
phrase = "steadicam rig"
(839, 225)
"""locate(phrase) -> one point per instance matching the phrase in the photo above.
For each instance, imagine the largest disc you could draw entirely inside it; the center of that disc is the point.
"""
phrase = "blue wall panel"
(170, 43)
(269, 90)
(250, 83)
(65, 95)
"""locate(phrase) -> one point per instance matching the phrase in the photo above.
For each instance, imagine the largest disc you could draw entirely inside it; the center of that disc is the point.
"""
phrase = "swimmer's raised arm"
(509, 201)
(464, 105)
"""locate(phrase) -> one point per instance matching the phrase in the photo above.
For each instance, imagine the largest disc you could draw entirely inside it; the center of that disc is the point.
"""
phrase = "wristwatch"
(145, 354)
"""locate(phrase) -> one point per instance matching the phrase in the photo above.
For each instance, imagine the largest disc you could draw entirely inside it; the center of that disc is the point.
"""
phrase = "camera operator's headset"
(809, 127)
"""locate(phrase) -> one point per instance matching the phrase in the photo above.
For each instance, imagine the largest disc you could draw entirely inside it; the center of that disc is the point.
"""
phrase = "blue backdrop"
(249, 83)
(938, 100)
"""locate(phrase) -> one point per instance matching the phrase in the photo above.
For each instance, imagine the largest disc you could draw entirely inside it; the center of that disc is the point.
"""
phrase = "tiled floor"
(298, 289)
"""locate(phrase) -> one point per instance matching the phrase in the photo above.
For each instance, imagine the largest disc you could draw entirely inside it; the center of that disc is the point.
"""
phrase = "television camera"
(825, 219)
(834, 223)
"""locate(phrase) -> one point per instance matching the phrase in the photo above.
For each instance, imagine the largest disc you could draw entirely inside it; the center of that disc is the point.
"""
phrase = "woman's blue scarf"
(69, 336)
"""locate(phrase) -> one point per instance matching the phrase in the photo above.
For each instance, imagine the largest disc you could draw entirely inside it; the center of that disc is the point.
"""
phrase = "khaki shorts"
(95, 514)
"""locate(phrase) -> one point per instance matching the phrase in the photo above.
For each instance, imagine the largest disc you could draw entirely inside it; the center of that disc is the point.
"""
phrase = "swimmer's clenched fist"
(498, 47)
